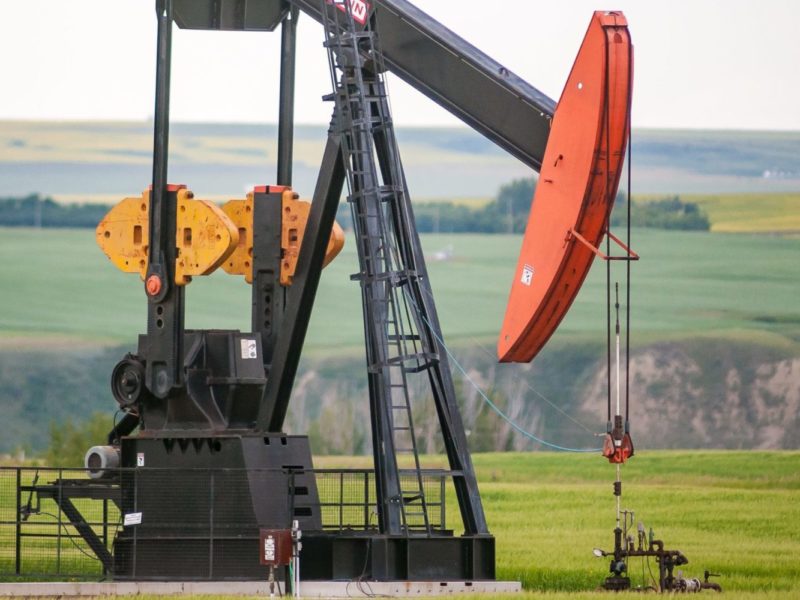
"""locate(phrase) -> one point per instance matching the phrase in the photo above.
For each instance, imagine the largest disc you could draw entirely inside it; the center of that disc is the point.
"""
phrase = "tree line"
(506, 213)
(37, 211)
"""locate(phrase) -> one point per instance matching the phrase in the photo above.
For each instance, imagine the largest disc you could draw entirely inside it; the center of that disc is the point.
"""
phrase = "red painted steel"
(576, 188)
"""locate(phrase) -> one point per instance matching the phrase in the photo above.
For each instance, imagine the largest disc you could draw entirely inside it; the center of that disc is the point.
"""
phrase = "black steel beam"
(86, 532)
(165, 310)
(426, 55)
(300, 301)
(230, 15)
(441, 380)
(125, 427)
(286, 112)
(268, 295)
(465, 81)
(460, 78)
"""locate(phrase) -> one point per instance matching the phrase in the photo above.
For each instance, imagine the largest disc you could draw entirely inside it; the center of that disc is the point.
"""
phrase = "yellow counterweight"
(206, 236)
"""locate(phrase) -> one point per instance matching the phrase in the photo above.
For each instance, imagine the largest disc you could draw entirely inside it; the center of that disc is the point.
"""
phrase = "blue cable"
(488, 401)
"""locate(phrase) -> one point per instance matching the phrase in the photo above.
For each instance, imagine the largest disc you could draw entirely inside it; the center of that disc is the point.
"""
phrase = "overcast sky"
(699, 64)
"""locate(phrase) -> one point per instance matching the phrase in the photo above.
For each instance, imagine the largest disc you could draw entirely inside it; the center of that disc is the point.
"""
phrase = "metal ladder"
(377, 199)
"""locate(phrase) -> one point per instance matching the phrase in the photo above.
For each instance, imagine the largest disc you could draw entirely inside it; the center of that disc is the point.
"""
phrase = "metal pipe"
(286, 114)
(628, 262)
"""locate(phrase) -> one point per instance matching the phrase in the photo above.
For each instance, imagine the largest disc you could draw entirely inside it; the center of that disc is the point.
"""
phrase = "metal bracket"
(629, 254)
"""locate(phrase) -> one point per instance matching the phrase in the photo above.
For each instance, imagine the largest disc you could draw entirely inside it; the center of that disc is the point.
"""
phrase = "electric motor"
(101, 461)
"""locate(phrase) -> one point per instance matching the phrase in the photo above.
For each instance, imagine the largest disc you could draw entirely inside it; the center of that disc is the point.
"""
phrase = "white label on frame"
(527, 275)
(133, 519)
(249, 349)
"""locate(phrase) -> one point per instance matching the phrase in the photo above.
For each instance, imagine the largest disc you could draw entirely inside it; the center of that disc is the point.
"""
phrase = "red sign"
(275, 547)
(358, 8)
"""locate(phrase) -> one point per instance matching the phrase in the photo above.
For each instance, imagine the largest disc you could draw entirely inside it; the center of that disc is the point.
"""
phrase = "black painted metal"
(165, 311)
(126, 425)
(230, 15)
(63, 492)
(286, 113)
(453, 73)
(268, 295)
(224, 376)
(86, 532)
(213, 395)
(18, 525)
(300, 301)
(401, 327)
(370, 557)
(202, 523)
(353, 89)
(420, 297)
(203, 501)
(434, 60)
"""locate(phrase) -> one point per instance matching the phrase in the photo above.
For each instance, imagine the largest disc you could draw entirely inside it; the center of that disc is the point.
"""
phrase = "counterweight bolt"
(153, 285)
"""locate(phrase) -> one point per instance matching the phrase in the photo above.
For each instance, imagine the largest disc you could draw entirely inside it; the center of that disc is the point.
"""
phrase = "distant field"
(746, 213)
(109, 160)
(750, 213)
(57, 287)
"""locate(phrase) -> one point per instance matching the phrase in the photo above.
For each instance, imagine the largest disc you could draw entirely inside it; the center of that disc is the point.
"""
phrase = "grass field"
(734, 513)
(772, 213)
(749, 213)
(60, 288)
(108, 160)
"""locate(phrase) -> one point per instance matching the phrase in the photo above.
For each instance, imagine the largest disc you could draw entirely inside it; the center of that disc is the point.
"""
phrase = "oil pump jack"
(211, 399)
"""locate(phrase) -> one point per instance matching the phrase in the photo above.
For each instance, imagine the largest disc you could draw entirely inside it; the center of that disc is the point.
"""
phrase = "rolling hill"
(90, 160)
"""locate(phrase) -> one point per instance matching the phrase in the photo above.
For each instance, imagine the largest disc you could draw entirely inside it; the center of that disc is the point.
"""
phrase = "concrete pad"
(310, 589)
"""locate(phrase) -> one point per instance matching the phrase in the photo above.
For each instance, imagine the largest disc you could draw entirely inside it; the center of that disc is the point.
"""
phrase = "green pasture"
(771, 213)
(733, 513)
(750, 213)
(59, 290)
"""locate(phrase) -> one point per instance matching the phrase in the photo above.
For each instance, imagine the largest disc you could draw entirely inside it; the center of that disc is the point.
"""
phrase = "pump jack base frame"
(378, 557)
(165, 475)
(312, 589)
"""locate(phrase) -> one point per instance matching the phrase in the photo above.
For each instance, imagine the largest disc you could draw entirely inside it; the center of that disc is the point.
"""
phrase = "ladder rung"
(383, 276)
(408, 357)
(419, 369)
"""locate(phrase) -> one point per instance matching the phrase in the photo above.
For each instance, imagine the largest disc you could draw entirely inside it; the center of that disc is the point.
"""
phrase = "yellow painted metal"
(124, 234)
(240, 261)
(205, 236)
(293, 225)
